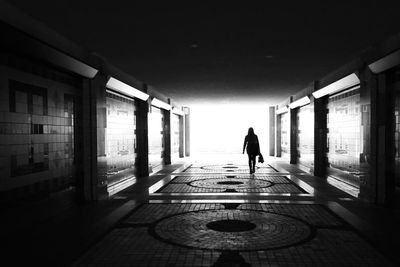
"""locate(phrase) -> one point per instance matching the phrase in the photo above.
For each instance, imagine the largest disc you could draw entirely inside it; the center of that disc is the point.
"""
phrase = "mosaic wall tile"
(36, 132)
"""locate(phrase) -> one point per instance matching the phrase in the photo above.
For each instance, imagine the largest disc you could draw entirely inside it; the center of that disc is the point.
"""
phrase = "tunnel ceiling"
(222, 52)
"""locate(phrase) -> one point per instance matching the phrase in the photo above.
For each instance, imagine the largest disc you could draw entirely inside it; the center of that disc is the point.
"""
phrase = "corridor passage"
(214, 213)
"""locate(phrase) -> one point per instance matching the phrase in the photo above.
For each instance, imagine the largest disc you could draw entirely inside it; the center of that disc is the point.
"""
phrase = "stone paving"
(279, 179)
(233, 230)
(243, 183)
(228, 168)
(207, 232)
(181, 235)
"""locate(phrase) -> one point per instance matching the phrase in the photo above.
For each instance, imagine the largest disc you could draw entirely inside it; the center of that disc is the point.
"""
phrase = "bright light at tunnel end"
(221, 128)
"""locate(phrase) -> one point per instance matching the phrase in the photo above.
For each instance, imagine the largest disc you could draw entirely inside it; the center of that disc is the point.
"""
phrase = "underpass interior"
(101, 168)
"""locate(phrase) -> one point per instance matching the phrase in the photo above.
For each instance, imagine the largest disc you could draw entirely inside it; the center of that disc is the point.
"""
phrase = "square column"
(373, 157)
(320, 136)
(278, 135)
(181, 137)
(293, 135)
(167, 135)
(272, 131)
(142, 160)
(93, 183)
(187, 131)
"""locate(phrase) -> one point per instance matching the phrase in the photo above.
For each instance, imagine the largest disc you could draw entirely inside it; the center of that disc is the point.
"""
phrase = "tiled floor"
(226, 222)
(264, 235)
(241, 183)
(227, 168)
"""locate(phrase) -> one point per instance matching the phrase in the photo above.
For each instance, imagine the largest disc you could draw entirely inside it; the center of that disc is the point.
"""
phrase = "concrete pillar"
(369, 122)
(272, 131)
(93, 182)
(82, 138)
(320, 136)
(181, 137)
(381, 140)
(167, 135)
(142, 135)
(187, 131)
(383, 130)
(278, 135)
(293, 135)
(392, 82)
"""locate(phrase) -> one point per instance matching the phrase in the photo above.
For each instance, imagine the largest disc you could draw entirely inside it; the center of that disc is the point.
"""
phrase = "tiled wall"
(305, 137)
(344, 137)
(37, 120)
(156, 137)
(120, 138)
(285, 134)
(396, 117)
(175, 135)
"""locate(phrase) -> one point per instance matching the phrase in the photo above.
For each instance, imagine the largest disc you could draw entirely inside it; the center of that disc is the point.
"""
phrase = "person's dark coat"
(252, 145)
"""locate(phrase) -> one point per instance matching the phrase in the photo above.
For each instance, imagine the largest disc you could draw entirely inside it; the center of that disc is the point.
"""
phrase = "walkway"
(213, 213)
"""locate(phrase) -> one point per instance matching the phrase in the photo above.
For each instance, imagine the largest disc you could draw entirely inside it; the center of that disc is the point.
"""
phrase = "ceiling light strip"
(177, 111)
(126, 89)
(70, 63)
(160, 104)
(344, 83)
(385, 63)
(282, 110)
(300, 102)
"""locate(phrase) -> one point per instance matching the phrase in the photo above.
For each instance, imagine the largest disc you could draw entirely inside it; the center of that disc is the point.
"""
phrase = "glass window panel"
(344, 132)
(285, 134)
(119, 138)
(156, 147)
(305, 136)
(175, 135)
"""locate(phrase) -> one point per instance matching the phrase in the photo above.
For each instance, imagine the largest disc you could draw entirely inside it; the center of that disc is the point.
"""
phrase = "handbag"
(260, 158)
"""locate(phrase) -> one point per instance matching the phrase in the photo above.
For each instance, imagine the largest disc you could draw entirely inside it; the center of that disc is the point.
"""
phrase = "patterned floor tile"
(231, 184)
(228, 235)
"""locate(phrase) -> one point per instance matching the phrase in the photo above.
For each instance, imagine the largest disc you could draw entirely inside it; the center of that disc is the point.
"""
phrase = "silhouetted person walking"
(253, 148)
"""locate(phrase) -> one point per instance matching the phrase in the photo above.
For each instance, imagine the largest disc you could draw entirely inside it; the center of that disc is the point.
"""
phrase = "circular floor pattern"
(226, 167)
(231, 183)
(234, 230)
(231, 226)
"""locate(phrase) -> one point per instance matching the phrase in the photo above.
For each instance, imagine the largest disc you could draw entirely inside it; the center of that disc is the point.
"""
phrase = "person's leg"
(253, 163)
(250, 164)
